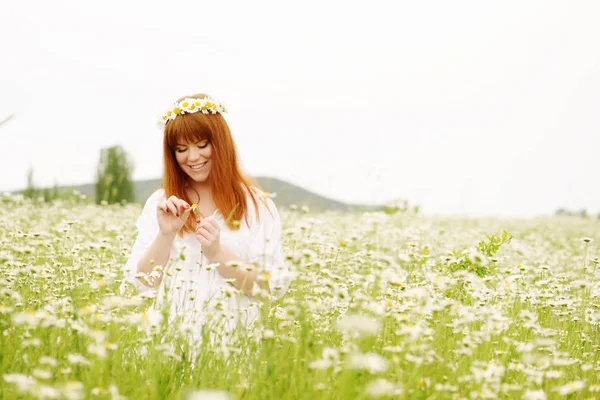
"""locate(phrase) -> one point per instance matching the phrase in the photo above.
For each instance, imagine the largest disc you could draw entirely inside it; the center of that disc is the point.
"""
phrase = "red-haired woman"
(200, 234)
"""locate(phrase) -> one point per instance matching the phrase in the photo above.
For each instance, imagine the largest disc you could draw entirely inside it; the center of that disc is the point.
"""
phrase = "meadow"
(381, 305)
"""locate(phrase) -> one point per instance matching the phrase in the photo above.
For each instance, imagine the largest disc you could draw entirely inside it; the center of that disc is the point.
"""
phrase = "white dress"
(195, 291)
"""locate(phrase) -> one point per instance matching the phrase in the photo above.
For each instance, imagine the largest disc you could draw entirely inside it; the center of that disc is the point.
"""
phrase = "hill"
(287, 194)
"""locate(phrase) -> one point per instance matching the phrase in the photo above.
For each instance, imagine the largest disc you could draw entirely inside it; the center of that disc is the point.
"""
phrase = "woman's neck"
(199, 191)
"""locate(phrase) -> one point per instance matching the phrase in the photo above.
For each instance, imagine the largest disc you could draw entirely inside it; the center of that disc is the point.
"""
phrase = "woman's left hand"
(209, 235)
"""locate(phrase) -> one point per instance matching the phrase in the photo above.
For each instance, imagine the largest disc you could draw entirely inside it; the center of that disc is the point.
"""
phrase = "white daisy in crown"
(187, 105)
(190, 106)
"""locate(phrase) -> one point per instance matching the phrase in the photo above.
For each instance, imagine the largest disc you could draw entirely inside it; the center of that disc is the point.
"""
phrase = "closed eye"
(184, 149)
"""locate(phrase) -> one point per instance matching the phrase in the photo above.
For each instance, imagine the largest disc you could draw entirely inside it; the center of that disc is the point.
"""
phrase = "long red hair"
(228, 184)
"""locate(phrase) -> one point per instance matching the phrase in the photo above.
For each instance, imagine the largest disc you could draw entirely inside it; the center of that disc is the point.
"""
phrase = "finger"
(182, 205)
(214, 223)
(162, 206)
(172, 208)
(204, 232)
(186, 213)
(175, 202)
(202, 239)
(208, 226)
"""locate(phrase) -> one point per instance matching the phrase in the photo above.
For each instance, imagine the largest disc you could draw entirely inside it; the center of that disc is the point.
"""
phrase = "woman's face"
(194, 159)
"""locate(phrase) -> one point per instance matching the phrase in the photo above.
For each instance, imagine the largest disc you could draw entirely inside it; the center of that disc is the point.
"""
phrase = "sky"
(465, 107)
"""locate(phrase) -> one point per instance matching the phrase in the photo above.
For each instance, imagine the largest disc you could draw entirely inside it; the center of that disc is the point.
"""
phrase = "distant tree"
(30, 191)
(583, 213)
(113, 183)
(51, 194)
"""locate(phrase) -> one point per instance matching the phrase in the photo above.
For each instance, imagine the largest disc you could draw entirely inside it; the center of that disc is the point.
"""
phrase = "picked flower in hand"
(197, 212)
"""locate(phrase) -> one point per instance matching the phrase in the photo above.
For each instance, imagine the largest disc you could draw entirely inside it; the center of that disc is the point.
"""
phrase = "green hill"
(287, 194)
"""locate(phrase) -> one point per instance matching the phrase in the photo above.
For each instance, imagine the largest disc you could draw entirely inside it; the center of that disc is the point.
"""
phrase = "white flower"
(98, 336)
(553, 374)
(5, 309)
(188, 105)
(417, 293)
(570, 387)
(320, 364)
(534, 395)
(46, 392)
(361, 325)
(160, 123)
(22, 382)
(381, 387)
(168, 115)
(112, 302)
(97, 349)
(73, 390)
(45, 360)
(42, 373)
(192, 105)
(210, 107)
(208, 395)
(77, 359)
(30, 318)
(477, 258)
(369, 361)
(114, 392)
(151, 318)
(268, 334)
(414, 332)
(221, 107)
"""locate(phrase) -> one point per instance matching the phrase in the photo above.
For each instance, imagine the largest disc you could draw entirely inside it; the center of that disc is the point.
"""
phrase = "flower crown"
(190, 106)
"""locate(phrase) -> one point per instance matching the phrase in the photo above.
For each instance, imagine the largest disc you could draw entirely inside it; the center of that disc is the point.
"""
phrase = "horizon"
(574, 212)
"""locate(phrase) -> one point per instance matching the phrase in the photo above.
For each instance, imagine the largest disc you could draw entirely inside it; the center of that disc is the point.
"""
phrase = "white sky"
(471, 107)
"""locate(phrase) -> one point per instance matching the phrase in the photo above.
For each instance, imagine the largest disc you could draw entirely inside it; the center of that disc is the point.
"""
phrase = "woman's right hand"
(172, 214)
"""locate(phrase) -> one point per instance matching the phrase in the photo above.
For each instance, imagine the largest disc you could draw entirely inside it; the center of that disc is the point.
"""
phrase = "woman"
(208, 240)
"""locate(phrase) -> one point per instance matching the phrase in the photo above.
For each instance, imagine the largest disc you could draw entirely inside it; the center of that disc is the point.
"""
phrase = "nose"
(195, 153)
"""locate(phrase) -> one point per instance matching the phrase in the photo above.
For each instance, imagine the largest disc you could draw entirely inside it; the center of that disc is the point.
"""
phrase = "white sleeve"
(267, 250)
(147, 227)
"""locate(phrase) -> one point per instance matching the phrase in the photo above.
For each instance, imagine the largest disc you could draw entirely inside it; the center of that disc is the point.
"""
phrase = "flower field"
(381, 305)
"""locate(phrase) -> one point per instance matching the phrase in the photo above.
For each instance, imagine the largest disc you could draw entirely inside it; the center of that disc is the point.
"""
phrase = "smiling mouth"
(198, 166)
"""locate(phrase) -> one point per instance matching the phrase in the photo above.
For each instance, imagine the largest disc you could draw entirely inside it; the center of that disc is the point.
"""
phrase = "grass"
(383, 305)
